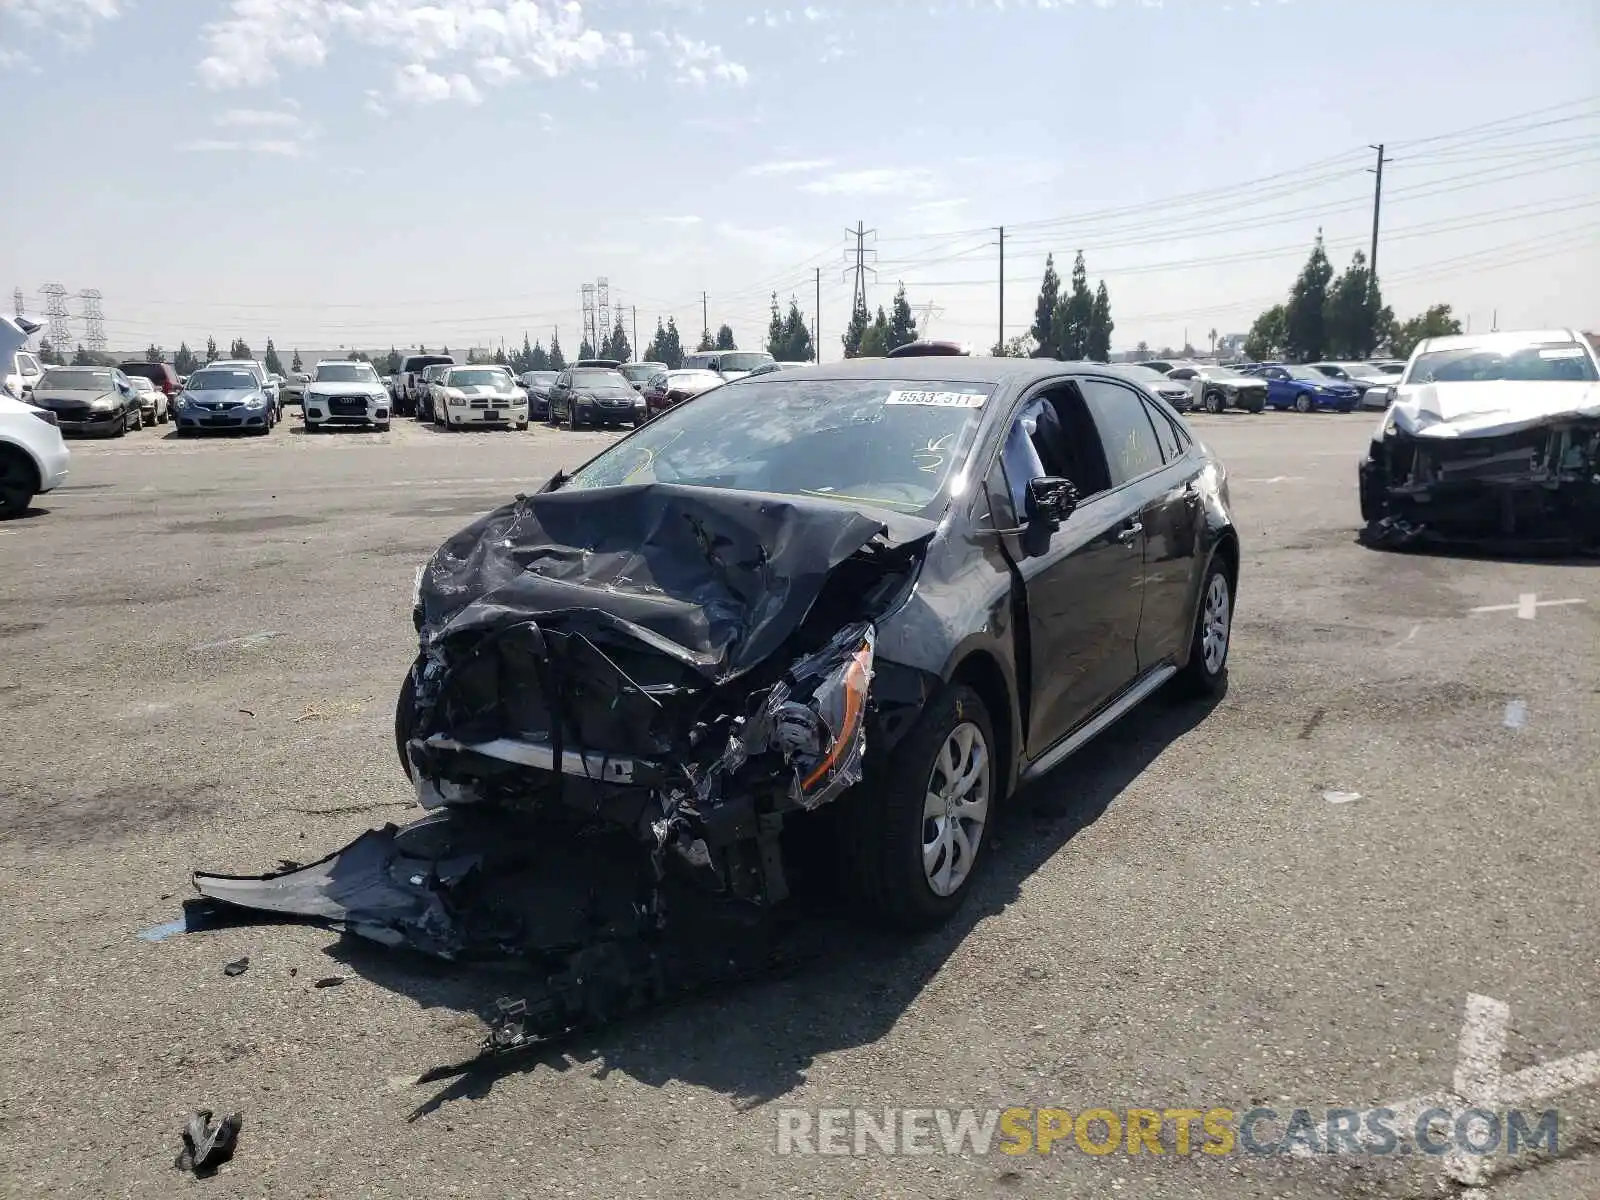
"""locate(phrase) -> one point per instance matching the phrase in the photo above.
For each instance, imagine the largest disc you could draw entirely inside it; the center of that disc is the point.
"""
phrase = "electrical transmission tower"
(926, 314)
(94, 320)
(589, 316)
(860, 269)
(16, 300)
(602, 287)
(55, 312)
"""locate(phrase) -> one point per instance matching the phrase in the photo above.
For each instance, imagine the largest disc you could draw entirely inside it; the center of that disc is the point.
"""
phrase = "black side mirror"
(1050, 501)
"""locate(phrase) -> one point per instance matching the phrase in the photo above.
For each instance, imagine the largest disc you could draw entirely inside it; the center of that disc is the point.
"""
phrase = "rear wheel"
(916, 832)
(18, 481)
(1207, 671)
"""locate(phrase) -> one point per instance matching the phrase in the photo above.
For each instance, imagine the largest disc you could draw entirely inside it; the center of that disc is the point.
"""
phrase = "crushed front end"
(619, 700)
(1536, 487)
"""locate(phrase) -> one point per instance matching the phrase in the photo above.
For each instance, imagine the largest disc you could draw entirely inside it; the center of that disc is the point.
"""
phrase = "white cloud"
(256, 118)
(789, 166)
(873, 181)
(283, 147)
(416, 84)
(497, 69)
(254, 39)
(698, 63)
(12, 60)
(683, 221)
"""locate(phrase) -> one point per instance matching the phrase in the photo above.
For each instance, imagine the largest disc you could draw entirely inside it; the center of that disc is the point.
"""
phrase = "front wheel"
(916, 832)
(1213, 403)
(1206, 673)
(18, 484)
(1302, 403)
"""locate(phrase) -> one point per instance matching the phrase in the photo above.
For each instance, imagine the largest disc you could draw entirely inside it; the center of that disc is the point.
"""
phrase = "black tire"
(886, 827)
(1214, 403)
(19, 481)
(1302, 403)
(1257, 407)
(384, 427)
(571, 423)
(1202, 676)
(1370, 488)
(122, 427)
(405, 720)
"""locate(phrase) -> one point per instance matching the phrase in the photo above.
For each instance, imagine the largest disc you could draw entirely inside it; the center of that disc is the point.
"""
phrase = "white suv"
(346, 393)
(33, 458)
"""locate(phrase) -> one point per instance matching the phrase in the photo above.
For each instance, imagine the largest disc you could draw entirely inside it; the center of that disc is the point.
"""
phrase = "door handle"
(1128, 535)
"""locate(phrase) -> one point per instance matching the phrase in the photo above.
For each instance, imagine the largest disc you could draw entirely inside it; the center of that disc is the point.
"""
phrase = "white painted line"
(1333, 797)
(1516, 714)
(1527, 606)
(247, 641)
(1479, 1083)
(1415, 629)
(1275, 479)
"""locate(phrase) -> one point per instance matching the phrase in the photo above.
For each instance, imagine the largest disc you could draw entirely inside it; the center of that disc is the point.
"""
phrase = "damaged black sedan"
(1491, 440)
(877, 595)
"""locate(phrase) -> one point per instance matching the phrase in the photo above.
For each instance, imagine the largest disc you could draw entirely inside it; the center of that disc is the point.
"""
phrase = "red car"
(161, 374)
(670, 388)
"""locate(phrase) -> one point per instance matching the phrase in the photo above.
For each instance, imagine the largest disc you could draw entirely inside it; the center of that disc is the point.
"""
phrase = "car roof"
(1501, 337)
(1019, 372)
(342, 362)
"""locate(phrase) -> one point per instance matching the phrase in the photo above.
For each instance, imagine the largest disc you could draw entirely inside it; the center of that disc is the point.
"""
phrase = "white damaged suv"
(345, 393)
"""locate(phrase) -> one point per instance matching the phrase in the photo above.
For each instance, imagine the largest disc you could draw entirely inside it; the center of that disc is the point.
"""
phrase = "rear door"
(1174, 537)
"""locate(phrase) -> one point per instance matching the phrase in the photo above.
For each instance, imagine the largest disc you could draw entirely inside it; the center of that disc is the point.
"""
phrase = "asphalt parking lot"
(1285, 899)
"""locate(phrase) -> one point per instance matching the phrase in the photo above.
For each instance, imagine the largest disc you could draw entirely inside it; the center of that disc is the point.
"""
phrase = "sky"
(369, 173)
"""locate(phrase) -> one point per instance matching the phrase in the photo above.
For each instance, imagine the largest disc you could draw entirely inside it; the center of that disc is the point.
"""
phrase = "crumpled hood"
(63, 396)
(716, 579)
(1448, 410)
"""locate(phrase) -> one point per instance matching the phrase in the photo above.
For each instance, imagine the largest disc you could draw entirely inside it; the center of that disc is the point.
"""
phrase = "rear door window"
(1126, 434)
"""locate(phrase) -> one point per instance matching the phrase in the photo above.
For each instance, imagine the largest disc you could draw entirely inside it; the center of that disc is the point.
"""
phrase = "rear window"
(420, 362)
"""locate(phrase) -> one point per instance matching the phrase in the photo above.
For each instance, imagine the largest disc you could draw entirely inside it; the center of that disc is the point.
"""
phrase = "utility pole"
(1002, 342)
(1377, 203)
(705, 313)
(636, 332)
(816, 324)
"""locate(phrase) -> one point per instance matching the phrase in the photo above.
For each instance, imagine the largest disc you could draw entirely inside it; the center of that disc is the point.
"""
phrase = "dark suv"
(161, 374)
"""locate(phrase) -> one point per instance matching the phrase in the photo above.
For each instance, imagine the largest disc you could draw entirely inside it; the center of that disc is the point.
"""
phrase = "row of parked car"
(1255, 387)
(590, 392)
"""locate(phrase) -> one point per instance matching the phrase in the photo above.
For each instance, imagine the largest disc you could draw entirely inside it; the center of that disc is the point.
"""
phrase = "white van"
(730, 364)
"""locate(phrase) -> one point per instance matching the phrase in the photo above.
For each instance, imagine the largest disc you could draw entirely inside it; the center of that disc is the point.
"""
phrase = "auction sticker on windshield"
(939, 399)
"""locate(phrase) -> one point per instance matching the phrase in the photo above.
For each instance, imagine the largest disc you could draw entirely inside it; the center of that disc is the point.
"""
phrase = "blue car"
(1305, 389)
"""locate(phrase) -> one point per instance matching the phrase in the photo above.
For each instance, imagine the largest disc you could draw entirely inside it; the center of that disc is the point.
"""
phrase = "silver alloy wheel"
(955, 809)
(1302, 403)
(1216, 619)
